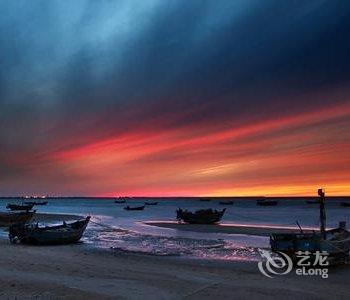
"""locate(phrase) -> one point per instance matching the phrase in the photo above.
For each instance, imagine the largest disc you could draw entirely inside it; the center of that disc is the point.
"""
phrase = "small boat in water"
(345, 204)
(202, 216)
(313, 201)
(119, 201)
(134, 208)
(264, 202)
(49, 235)
(204, 199)
(336, 242)
(151, 203)
(36, 203)
(9, 218)
(26, 207)
(226, 202)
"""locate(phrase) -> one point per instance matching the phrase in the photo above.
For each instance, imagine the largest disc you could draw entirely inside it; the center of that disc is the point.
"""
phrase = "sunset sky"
(174, 98)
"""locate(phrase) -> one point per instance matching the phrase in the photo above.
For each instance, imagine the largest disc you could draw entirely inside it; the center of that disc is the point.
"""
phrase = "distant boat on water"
(345, 204)
(204, 199)
(134, 208)
(49, 235)
(202, 216)
(14, 207)
(151, 203)
(119, 201)
(36, 203)
(226, 202)
(313, 201)
(265, 202)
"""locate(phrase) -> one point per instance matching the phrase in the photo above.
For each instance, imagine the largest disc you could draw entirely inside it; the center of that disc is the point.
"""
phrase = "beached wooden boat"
(151, 203)
(36, 203)
(26, 207)
(49, 235)
(202, 216)
(134, 208)
(226, 202)
(345, 204)
(264, 202)
(335, 241)
(9, 218)
(119, 201)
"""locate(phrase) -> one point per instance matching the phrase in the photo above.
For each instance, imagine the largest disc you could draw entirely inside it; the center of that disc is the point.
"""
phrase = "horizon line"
(136, 197)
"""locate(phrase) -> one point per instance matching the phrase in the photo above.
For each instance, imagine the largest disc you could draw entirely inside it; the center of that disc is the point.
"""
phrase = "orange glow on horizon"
(278, 157)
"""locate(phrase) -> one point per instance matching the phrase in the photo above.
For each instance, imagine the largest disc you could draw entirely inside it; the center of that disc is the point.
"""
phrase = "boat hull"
(200, 217)
(337, 243)
(134, 208)
(312, 202)
(267, 203)
(53, 235)
(15, 207)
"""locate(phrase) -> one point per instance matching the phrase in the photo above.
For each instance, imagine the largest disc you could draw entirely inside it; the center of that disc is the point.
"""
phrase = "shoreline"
(226, 228)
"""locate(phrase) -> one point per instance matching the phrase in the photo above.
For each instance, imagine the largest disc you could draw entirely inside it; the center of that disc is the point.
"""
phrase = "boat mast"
(322, 213)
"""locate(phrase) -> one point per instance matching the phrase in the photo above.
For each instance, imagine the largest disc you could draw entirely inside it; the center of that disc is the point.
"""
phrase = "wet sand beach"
(81, 272)
(75, 272)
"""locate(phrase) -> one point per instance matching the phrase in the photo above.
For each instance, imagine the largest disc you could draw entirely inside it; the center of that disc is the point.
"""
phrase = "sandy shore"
(78, 272)
(81, 272)
(230, 229)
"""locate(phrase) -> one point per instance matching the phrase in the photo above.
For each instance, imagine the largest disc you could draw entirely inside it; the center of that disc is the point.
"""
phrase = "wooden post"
(322, 213)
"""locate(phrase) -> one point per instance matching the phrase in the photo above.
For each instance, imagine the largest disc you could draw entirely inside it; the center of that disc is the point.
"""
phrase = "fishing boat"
(336, 242)
(119, 201)
(202, 216)
(36, 203)
(49, 235)
(313, 201)
(134, 208)
(345, 204)
(9, 218)
(264, 202)
(26, 207)
(151, 203)
(226, 202)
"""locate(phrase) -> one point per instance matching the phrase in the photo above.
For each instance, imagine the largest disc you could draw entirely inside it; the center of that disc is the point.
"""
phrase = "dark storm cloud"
(74, 71)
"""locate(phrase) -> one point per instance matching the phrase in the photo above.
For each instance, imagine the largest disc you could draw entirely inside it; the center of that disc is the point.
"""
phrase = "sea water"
(112, 227)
